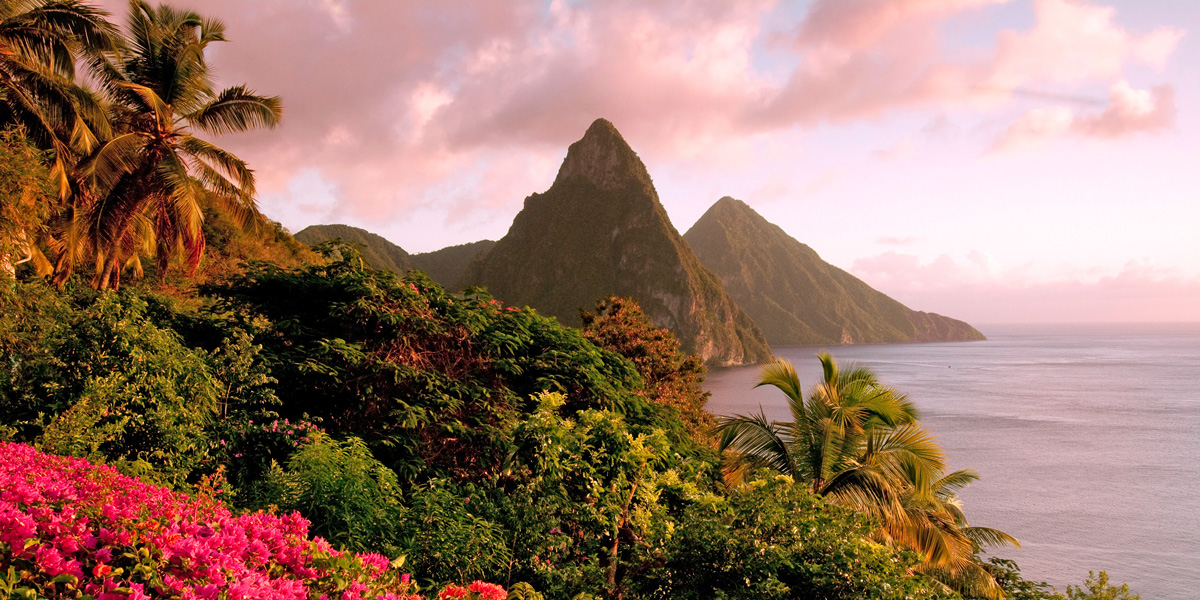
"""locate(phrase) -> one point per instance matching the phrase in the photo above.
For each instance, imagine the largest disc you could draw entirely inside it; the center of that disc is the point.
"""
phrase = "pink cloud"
(856, 25)
(972, 291)
(850, 68)
(400, 104)
(1035, 127)
(1129, 111)
(1075, 42)
(669, 73)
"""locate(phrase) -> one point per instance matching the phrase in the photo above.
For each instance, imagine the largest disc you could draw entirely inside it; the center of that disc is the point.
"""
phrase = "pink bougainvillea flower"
(125, 539)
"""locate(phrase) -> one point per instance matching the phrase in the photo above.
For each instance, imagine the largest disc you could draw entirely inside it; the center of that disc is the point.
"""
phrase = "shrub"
(69, 528)
(352, 499)
(103, 381)
(429, 380)
(771, 538)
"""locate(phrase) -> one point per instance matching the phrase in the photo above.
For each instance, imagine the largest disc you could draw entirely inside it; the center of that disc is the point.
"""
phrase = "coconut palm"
(143, 185)
(852, 437)
(937, 528)
(858, 444)
(40, 41)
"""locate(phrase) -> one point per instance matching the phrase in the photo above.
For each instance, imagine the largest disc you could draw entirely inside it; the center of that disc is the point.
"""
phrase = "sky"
(994, 161)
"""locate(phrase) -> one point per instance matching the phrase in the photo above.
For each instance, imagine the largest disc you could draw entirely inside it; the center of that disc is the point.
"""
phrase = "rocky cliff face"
(600, 230)
(799, 299)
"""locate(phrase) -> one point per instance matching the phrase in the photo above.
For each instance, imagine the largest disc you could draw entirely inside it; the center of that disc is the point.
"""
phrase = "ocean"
(1086, 439)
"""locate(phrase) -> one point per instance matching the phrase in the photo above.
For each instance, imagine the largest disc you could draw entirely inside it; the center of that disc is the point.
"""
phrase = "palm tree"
(852, 437)
(858, 444)
(40, 41)
(937, 528)
(143, 185)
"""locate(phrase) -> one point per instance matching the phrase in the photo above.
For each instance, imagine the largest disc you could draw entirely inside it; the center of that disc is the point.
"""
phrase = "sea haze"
(1086, 437)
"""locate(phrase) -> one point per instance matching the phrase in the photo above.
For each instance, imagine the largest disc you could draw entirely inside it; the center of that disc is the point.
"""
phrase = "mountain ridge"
(796, 297)
(378, 251)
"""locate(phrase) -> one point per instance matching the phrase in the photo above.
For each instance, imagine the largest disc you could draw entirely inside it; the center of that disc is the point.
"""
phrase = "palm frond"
(153, 104)
(755, 437)
(910, 451)
(985, 537)
(237, 109)
(113, 160)
(782, 375)
(956, 481)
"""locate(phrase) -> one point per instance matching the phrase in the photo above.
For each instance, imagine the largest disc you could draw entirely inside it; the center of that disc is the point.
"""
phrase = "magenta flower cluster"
(478, 590)
(69, 528)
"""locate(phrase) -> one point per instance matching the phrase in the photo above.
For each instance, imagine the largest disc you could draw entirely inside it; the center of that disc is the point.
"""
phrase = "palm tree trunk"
(110, 274)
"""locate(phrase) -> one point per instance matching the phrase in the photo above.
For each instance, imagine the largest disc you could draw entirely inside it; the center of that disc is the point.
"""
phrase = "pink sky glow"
(1023, 161)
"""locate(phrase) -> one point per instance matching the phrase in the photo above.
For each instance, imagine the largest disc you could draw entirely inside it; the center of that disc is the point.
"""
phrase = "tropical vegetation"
(274, 421)
(858, 443)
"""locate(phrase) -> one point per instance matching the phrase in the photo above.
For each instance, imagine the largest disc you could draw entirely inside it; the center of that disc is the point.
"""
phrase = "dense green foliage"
(475, 439)
(104, 381)
(482, 441)
(771, 538)
(797, 298)
(426, 378)
(25, 200)
(455, 434)
(670, 376)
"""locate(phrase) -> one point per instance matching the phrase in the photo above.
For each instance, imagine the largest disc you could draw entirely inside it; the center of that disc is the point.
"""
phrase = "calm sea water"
(1086, 438)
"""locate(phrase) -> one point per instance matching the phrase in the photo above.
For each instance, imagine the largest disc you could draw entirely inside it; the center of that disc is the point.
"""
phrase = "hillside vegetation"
(257, 419)
(375, 250)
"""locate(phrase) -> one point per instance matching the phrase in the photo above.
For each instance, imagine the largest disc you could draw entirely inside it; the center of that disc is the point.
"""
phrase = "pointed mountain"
(799, 299)
(447, 266)
(379, 253)
(600, 230)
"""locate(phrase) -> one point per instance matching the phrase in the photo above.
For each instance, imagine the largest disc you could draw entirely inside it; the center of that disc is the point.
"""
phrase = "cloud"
(1036, 127)
(1129, 111)
(1075, 42)
(398, 105)
(974, 291)
(850, 68)
(669, 73)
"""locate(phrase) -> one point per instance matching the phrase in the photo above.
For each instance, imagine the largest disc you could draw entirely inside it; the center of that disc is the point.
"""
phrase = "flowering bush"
(249, 447)
(70, 529)
(478, 590)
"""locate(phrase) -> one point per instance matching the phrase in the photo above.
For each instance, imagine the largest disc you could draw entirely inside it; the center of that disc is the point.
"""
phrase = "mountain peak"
(602, 128)
(729, 204)
(600, 230)
(603, 158)
(797, 298)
